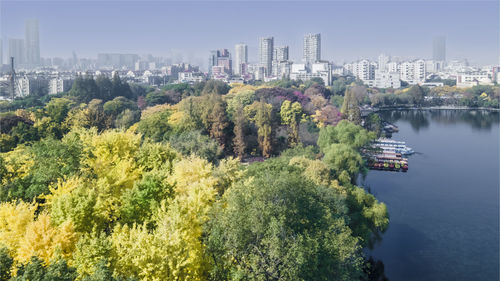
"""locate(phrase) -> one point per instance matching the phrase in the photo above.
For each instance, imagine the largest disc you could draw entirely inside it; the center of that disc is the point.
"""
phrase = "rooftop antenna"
(12, 78)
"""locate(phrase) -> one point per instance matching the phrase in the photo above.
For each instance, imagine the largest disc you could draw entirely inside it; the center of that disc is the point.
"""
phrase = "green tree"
(345, 133)
(60, 271)
(90, 115)
(156, 97)
(350, 107)
(240, 124)
(33, 270)
(374, 123)
(260, 113)
(118, 105)
(345, 162)
(194, 142)
(144, 198)
(156, 126)
(416, 95)
(215, 87)
(118, 88)
(127, 118)
(213, 116)
(57, 109)
(291, 114)
(280, 226)
(105, 87)
(338, 87)
(52, 160)
(6, 262)
(84, 88)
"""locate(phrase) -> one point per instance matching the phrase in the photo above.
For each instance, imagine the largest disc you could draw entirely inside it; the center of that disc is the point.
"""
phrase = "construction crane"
(12, 79)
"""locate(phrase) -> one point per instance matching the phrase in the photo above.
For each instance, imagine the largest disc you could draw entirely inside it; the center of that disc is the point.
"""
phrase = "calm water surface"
(444, 212)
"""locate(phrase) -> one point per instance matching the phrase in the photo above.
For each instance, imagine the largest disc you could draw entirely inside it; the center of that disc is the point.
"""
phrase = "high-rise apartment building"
(32, 42)
(413, 72)
(240, 58)
(312, 48)
(363, 69)
(266, 48)
(383, 60)
(17, 51)
(280, 53)
(439, 49)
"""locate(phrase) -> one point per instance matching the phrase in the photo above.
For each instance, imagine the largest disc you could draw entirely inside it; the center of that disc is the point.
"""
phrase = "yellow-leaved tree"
(17, 164)
(174, 250)
(14, 218)
(26, 236)
(112, 159)
(47, 242)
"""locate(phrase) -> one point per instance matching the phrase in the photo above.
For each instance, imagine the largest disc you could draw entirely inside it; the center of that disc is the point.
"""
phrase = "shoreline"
(437, 107)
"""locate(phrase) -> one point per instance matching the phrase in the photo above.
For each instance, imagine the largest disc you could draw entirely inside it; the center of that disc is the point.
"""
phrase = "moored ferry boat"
(387, 154)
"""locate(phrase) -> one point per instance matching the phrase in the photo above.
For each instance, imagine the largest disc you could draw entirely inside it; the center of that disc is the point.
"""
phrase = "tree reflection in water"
(420, 119)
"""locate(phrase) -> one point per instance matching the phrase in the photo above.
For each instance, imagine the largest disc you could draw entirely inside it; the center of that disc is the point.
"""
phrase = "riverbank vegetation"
(187, 182)
(416, 96)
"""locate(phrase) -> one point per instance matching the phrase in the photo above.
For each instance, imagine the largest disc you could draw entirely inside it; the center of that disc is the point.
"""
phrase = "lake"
(444, 212)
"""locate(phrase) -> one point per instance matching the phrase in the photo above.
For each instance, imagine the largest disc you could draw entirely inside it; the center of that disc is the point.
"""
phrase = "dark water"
(444, 213)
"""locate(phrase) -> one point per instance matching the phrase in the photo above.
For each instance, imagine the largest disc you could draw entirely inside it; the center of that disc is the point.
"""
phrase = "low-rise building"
(384, 79)
(470, 79)
(191, 77)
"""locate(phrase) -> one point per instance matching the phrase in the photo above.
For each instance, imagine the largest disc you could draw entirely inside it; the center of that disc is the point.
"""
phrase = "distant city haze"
(187, 31)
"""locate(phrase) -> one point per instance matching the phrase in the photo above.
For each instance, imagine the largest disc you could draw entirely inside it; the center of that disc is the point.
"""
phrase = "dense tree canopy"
(115, 182)
(279, 226)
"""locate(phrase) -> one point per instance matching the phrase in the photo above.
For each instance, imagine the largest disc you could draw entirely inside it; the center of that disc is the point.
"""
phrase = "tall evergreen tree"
(239, 143)
(261, 114)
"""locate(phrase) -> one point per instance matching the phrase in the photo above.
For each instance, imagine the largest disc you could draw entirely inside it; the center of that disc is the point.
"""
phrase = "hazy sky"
(188, 30)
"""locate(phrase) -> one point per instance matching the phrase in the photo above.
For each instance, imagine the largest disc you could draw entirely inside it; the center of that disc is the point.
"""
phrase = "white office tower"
(266, 47)
(383, 60)
(32, 43)
(312, 48)
(240, 58)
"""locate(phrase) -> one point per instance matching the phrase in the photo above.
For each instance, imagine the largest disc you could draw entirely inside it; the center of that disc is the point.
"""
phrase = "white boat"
(393, 146)
(403, 150)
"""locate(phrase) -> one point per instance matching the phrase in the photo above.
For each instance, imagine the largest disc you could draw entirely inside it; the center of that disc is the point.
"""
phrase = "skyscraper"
(312, 48)
(439, 49)
(225, 61)
(32, 43)
(240, 57)
(16, 50)
(212, 60)
(266, 47)
(220, 58)
(1, 53)
(281, 53)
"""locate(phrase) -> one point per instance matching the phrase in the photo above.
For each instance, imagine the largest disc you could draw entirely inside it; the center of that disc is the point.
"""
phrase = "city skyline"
(341, 39)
